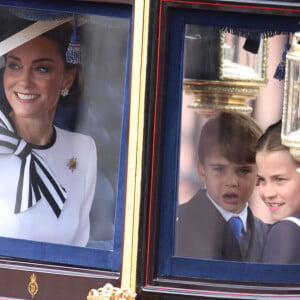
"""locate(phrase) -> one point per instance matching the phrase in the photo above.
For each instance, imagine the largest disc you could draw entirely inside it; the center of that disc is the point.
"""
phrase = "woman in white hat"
(48, 175)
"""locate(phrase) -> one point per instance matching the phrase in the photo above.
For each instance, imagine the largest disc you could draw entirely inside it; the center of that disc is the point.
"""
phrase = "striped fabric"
(36, 179)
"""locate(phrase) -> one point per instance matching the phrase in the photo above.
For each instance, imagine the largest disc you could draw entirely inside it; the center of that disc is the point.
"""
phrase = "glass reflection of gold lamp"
(219, 73)
(291, 103)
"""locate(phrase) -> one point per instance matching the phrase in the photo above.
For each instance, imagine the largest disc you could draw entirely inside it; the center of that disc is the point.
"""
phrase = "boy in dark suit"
(217, 222)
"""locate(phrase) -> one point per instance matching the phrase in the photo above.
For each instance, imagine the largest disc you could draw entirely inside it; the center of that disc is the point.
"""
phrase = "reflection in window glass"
(239, 63)
(106, 41)
(205, 200)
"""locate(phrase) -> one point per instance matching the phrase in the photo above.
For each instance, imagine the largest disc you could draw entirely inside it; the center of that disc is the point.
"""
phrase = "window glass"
(86, 227)
(220, 66)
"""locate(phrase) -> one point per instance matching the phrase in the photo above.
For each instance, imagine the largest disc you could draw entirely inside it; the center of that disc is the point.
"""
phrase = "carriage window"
(64, 74)
(228, 82)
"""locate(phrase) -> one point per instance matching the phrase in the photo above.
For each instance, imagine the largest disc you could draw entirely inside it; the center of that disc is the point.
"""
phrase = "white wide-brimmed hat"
(32, 31)
(29, 24)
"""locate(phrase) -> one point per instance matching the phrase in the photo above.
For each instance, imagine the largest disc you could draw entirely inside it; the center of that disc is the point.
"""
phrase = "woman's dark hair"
(62, 36)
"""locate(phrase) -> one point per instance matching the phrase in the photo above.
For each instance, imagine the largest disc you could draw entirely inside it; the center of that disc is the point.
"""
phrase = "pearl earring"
(64, 92)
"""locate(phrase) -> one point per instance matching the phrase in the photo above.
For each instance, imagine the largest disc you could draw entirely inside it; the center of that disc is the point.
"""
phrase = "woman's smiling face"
(33, 78)
(278, 182)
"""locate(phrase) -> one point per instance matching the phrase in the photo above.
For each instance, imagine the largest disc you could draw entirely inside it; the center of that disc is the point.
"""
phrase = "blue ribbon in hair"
(73, 54)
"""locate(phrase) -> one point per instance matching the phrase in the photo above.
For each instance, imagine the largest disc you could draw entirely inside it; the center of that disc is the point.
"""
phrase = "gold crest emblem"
(72, 164)
(33, 286)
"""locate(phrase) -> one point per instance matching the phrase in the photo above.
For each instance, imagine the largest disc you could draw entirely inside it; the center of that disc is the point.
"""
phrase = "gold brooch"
(72, 164)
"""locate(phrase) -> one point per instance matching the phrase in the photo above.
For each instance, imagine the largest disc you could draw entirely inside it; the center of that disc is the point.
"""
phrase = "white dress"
(72, 159)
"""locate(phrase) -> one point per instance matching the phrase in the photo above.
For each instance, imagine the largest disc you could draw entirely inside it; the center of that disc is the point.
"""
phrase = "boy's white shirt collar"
(227, 214)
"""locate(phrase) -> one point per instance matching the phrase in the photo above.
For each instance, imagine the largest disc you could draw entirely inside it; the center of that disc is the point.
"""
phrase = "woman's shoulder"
(71, 136)
(68, 140)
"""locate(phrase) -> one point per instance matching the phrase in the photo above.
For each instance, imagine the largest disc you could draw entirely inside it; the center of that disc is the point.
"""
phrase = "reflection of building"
(221, 70)
(101, 116)
(269, 99)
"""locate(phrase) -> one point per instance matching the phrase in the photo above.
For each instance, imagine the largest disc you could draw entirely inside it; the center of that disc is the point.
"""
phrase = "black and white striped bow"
(36, 178)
